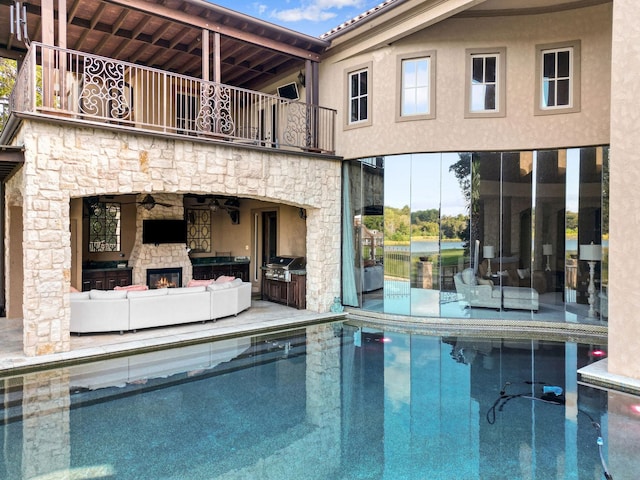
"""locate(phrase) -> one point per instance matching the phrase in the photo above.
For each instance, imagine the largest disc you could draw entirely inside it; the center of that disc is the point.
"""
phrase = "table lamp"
(591, 254)
(488, 252)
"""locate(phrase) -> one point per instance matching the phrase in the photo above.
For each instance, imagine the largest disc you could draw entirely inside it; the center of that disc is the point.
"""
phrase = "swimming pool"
(330, 401)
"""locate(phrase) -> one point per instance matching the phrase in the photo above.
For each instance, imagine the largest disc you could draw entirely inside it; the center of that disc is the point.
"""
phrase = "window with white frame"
(416, 77)
(358, 96)
(558, 78)
(485, 82)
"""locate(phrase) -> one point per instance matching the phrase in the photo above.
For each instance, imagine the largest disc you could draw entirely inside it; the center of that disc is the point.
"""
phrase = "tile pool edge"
(597, 374)
(23, 365)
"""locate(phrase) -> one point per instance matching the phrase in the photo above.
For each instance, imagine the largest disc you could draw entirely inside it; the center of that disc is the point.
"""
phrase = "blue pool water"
(332, 401)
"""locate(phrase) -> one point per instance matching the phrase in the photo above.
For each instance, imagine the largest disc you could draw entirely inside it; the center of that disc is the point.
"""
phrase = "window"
(104, 227)
(199, 230)
(558, 78)
(359, 96)
(416, 77)
(485, 82)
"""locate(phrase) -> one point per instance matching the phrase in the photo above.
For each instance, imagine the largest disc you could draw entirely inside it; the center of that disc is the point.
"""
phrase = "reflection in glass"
(425, 234)
(372, 233)
(549, 226)
(496, 234)
(397, 234)
(456, 242)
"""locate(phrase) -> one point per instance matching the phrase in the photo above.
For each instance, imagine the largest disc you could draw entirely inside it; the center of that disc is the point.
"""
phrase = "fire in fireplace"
(164, 277)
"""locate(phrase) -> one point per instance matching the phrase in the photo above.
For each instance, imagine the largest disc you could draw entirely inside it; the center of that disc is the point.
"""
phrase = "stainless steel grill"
(279, 268)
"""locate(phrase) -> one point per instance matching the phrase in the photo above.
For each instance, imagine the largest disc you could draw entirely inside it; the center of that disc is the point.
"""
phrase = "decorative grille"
(104, 227)
(199, 230)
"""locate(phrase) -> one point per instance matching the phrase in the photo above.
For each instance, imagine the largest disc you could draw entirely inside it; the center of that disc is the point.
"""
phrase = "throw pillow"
(225, 279)
(131, 288)
(199, 283)
(469, 277)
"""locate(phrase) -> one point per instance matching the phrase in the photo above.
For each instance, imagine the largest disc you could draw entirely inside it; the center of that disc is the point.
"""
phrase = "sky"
(312, 17)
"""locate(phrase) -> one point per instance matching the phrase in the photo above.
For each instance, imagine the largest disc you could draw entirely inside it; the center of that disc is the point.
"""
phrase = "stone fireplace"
(164, 277)
(146, 257)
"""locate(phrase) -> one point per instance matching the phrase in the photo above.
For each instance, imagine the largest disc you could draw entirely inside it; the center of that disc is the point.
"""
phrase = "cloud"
(317, 11)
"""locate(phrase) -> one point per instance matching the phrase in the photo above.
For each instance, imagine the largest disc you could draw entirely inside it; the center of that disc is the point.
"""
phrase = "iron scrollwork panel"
(105, 92)
(214, 115)
(298, 129)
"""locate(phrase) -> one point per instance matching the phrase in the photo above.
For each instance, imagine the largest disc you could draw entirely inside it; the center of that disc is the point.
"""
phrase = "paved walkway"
(262, 316)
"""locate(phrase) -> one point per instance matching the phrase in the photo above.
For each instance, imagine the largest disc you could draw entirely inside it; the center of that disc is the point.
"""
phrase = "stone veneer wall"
(166, 255)
(65, 161)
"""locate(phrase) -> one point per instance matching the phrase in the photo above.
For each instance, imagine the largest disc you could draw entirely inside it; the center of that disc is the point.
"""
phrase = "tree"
(8, 73)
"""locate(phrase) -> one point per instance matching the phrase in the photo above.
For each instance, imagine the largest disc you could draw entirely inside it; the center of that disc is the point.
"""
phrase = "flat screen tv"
(290, 91)
(164, 231)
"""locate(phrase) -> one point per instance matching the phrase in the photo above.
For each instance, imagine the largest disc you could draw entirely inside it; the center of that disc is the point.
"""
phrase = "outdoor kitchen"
(284, 281)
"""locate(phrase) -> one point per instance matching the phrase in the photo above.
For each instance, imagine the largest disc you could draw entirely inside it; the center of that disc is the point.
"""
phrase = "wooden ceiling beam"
(71, 12)
(157, 35)
(96, 16)
(105, 38)
(226, 30)
(120, 20)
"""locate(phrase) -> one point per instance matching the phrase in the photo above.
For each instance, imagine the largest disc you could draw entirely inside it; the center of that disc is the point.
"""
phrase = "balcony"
(98, 90)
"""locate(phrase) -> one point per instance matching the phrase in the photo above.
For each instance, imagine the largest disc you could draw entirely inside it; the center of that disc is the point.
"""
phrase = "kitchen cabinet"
(107, 279)
(293, 293)
(206, 272)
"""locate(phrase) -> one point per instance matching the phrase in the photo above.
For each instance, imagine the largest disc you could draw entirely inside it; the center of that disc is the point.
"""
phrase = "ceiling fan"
(224, 203)
(148, 202)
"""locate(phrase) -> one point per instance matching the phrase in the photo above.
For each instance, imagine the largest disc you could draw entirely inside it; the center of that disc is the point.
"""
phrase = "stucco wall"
(520, 129)
(64, 161)
(624, 220)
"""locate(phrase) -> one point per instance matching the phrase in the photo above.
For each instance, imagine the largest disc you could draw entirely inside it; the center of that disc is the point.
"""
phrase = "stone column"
(46, 247)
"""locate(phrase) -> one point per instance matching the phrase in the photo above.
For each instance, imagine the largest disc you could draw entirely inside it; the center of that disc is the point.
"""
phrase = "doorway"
(269, 236)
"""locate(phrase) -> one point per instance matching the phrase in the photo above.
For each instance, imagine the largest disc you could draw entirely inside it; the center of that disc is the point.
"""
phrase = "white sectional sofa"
(122, 310)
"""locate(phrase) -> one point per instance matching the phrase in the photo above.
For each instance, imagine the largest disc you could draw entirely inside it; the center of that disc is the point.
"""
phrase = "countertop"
(207, 261)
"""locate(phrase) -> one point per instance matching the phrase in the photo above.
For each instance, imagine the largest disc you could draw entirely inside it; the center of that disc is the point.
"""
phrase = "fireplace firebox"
(164, 277)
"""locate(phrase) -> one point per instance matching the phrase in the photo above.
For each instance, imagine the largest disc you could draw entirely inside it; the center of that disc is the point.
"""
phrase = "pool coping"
(595, 374)
(24, 364)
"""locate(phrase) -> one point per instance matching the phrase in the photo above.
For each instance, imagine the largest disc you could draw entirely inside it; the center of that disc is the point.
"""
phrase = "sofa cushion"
(107, 294)
(79, 295)
(219, 286)
(183, 290)
(469, 277)
(154, 292)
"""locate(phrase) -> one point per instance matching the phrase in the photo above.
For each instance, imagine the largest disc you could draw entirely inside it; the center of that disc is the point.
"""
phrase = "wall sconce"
(488, 252)
(591, 254)
(547, 251)
(301, 78)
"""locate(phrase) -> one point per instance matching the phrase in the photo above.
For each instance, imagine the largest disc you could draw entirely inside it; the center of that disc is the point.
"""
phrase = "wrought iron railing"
(98, 89)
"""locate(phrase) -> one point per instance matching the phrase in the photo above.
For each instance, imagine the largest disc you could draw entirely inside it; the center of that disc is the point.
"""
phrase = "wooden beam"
(62, 24)
(217, 74)
(120, 20)
(47, 22)
(71, 13)
(178, 16)
(157, 35)
(205, 55)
